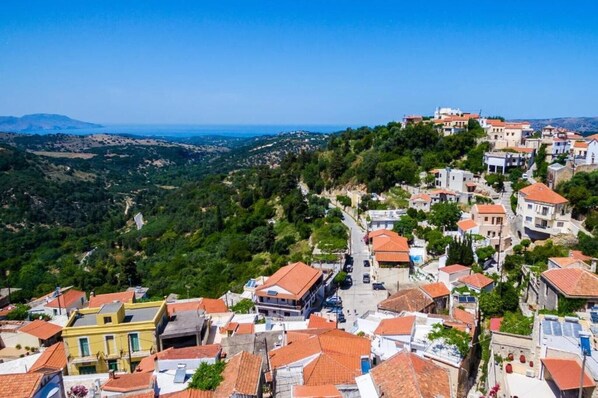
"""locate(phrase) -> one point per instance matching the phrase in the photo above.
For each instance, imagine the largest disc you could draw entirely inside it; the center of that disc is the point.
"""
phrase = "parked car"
(334, 301)
(348, 268)
(336, 310)
(348, 280)
(366, 278)
(524, 176)
(366, 263)
(378, 286)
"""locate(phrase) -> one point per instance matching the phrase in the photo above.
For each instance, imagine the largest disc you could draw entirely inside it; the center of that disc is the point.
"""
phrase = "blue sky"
(299, 62)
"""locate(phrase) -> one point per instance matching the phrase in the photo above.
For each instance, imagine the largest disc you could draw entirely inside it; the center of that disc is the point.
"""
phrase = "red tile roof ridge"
(100, 299)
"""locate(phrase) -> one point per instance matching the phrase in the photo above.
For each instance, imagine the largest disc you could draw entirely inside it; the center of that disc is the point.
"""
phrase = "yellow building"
(115, 336)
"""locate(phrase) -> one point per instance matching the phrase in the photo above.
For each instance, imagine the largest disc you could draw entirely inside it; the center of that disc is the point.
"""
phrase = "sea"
(184, 131)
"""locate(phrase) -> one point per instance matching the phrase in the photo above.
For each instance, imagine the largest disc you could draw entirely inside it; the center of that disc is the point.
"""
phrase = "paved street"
(360, 296)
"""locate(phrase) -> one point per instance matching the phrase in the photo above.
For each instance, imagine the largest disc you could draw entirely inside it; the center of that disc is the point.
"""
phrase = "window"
(113, 365)
(134, 341)
(529, 206)
(55, 312)
(84, 347)
(110, 349)
(107, 319)
(559, 224)
(529, 219)
(485, 218)
(87, 370)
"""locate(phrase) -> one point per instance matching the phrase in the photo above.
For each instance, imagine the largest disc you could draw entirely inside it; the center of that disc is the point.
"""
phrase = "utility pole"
(586, 350)
(499, 253)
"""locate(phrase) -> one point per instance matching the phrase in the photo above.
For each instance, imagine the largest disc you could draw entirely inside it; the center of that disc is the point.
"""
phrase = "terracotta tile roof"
(325, 391)
(466, 225)
(573, 282)
(189, 393)
(208, 305)
(200, 351)
(241, 376)
(214, 306)
(319, 322)
(4, 311)
(565, 262)
(495, 122)
(20, 385)
(490, 209)
(539, 192)
(148, 364)
(566, 373)
(406, 375)
(495, 324)
(41, 329)
(382, 232)
(436, 289)
(390, 245)
(336, 355)
(421, 196)
(245, 328)
(99, 300)
(392, 257)
(68, 299)
(295, 278)
(577, 254)
(442, 191)
(413, 300)
(451, 269)
(149, 394)
(476, 280)
(53, 358)
(464, 316)
(580, 144)
(591, 137)
(129, 382)
(401, 325)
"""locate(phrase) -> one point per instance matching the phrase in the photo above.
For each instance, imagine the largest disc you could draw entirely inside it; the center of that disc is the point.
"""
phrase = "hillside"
(581, 124)
(67, 196)
(42, 122)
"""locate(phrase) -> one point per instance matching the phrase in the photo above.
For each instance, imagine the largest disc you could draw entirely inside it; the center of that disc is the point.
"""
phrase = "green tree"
(484, 253)
(517, 323)
(445, 215)
(243, 307)
(207, 377)
(451, 336)
(405, 226)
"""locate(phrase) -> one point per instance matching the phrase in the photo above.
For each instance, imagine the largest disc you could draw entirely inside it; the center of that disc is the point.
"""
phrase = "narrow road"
(360, 297)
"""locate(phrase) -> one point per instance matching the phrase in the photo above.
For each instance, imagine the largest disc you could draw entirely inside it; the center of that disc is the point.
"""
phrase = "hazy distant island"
(42, 122)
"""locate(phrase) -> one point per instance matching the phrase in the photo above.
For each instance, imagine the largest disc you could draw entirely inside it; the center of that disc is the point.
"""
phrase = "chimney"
(111, 374)
(92, 294)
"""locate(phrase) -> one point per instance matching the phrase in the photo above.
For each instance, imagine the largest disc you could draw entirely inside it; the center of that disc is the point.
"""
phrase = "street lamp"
(586, 350)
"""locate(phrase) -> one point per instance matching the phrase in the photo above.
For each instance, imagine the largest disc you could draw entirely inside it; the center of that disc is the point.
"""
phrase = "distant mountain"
(41, 122)
(581, 124)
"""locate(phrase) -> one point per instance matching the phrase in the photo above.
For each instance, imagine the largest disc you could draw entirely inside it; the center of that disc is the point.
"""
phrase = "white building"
(454, 180)
(544, 212)
(384, 219)
(293, 291)
(503, 161)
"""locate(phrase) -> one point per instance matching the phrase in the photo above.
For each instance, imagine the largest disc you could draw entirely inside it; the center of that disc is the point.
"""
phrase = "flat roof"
(184, 322)
(110, 308)
(131, 315)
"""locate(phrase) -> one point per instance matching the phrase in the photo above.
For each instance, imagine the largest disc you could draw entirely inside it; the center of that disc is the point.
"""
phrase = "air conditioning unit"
(530, 373)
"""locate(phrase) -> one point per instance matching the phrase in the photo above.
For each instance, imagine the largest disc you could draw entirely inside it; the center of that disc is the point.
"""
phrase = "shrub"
(208, 376)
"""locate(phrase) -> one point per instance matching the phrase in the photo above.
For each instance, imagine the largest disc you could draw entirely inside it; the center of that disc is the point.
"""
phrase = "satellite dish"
(280, 337)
